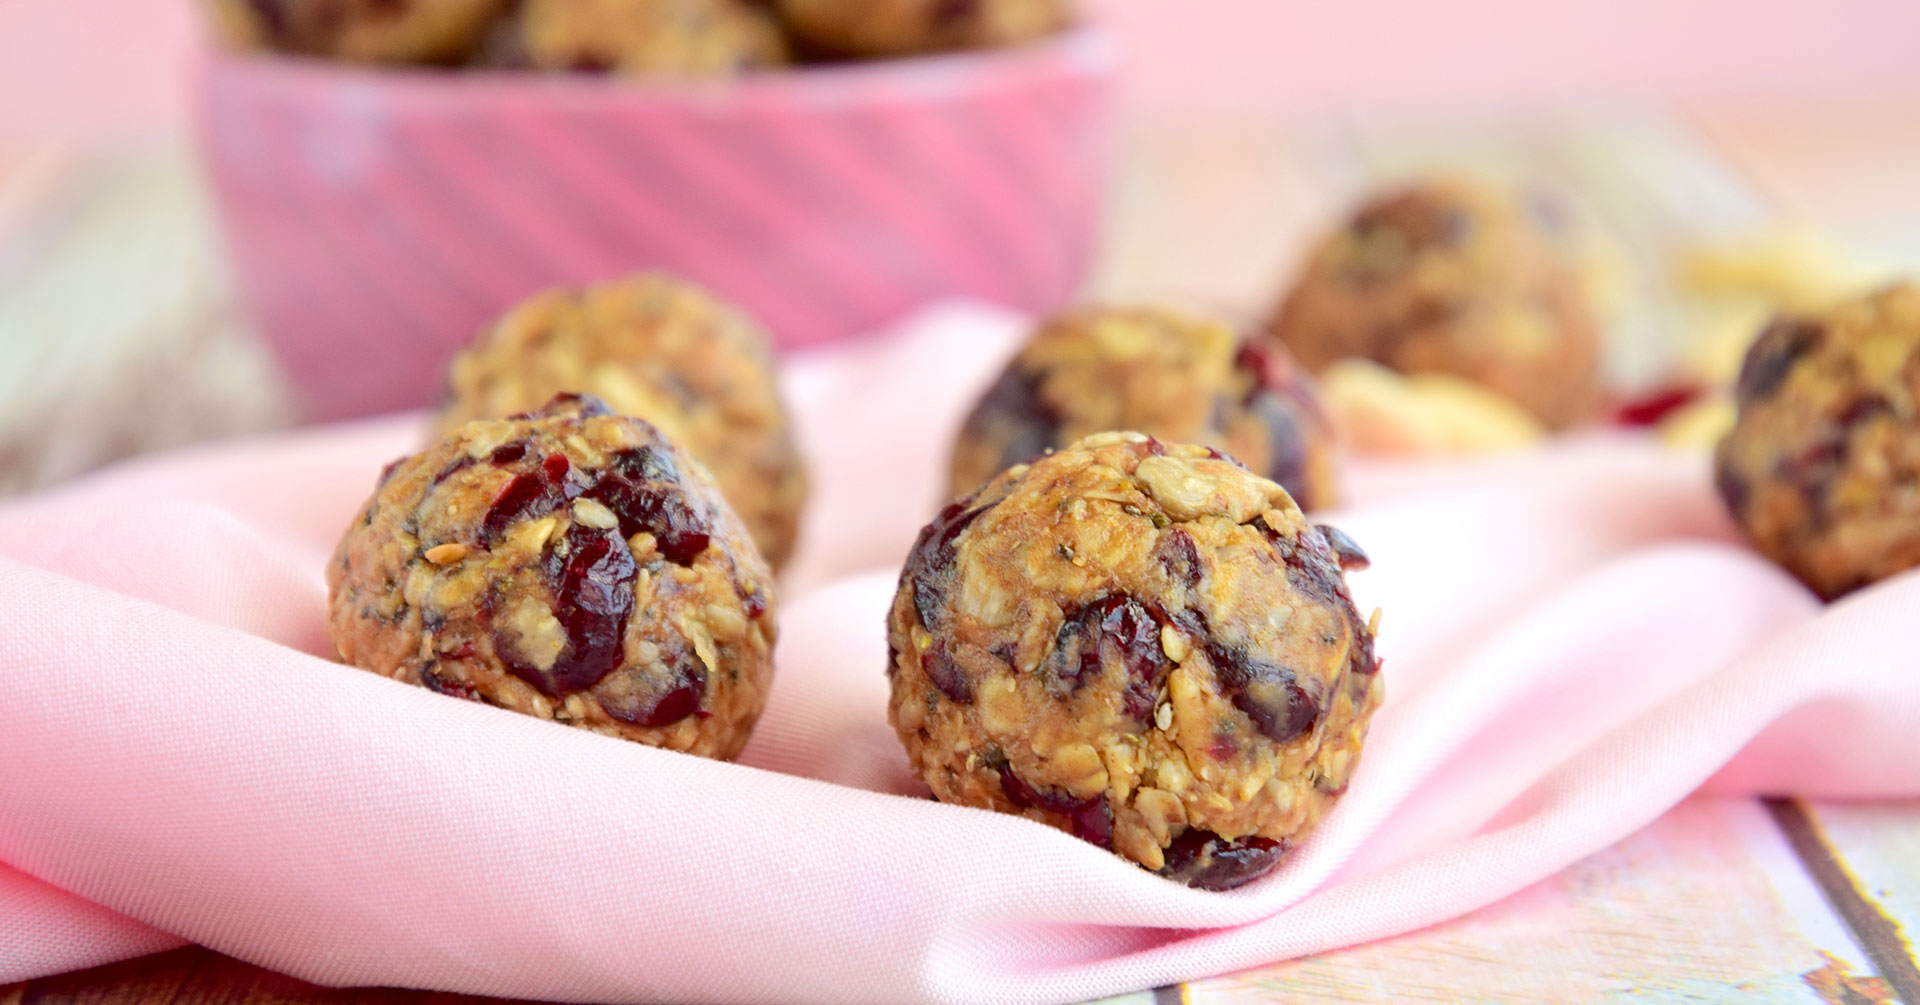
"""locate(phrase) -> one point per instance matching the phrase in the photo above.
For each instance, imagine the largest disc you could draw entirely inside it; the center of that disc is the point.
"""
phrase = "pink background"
(115, 66)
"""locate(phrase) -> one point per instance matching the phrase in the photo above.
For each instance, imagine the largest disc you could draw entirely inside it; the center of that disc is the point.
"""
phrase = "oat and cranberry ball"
(1822, 467)
(569, 564)
(1452, 277)
(363, 31)
(651, 38)
(1143, 644)
(661, 349)
(876, 28)
(1170, 375)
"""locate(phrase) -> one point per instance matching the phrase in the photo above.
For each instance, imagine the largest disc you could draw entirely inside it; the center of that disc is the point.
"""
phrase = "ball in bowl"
(1821, 466)
(569, 564)
(663, 350)
(1452, 277)
(1168, 374)
(1143, 644)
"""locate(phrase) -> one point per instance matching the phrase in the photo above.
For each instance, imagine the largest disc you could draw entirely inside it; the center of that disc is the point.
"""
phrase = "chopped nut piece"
(446, 554)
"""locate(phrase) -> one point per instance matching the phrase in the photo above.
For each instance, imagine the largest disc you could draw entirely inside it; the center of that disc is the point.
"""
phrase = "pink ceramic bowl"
(377, 218)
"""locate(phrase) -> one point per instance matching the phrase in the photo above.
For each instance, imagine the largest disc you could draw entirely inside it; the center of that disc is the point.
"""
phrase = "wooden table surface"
(115, 322)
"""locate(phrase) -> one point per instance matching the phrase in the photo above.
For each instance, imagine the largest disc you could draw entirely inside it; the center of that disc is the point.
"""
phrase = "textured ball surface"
(569, 564)
(665, 351)
(1159, 372)
(1143, 644)
(1455, 278)
(1822, 467)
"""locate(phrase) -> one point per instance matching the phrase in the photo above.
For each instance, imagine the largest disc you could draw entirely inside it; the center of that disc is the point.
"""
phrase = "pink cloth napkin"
(1573, 641)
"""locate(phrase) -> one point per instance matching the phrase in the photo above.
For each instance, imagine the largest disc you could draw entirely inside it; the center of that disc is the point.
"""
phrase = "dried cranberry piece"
(1089, 819)
(1267, 692)
(1206, 861)
(453, 467)
(1772, 356)
(593, 596)
(1313, 569)
(386, 473)
(1282, 400)
(678, 530)
(646, 464)
(1116, 629)
(522, 495)
(930, 563)
(508, 453)
(442, 685)
(679, 695)
(939, 666)
(1345, 550)
(1864, 408)
(1286, 460)
(674, 706)
(1650, 408)
(556, 467)
(1014, 408)
(1179, 556)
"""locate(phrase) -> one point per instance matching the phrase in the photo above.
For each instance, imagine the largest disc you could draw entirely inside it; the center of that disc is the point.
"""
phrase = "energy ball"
(364, 31)
(569, 564)
(651, 38)
(663, 350)
(1159, 372)
(1143, 644)
(1822, 467)
(1455, 278)
(873, 28)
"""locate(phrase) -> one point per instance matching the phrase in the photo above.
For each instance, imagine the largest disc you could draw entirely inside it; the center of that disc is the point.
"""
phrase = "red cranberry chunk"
(939, 666)
(1014, 403)
(593, 595)
(442, 685)
(676, 697)
(1206, 861)
(1090, 819)
(1265, 691)
(1179, 556)
(1116, 631)
(1345, 550)
(641, 488)
(1650, 408)
(930, 563)
(1772, 357)
(525, 495)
